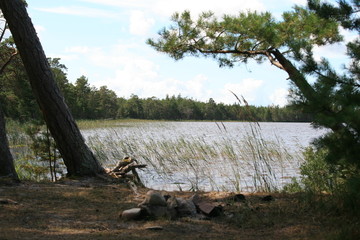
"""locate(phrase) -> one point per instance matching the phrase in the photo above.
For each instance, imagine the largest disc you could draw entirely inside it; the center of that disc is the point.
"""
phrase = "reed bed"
(214, 160)
(183, 162)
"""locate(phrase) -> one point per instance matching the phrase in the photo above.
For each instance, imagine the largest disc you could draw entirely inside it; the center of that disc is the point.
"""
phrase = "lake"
(230, 156)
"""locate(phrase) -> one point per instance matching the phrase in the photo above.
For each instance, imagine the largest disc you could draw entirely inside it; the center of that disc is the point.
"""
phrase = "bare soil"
(90, 208)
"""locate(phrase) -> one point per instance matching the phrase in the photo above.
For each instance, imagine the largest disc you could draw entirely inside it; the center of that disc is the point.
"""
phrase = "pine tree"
(333, 99)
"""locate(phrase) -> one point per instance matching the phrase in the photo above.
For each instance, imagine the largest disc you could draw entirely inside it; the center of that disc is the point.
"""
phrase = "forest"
(88, 102)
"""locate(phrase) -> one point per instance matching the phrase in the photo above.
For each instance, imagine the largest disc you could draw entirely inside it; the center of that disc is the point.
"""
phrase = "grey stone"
(133, 214)
(186, 208)
(158, 211)
(153, 198)
(268, 198)
(209, 209)
(7, 201)
(172, 205)
(195, 198)
(155, 228)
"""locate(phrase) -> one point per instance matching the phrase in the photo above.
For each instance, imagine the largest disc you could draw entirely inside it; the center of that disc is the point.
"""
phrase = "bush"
(341, 183)
(319, 176)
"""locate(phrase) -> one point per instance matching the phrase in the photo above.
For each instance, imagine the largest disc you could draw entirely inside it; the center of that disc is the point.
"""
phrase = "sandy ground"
(89, 209)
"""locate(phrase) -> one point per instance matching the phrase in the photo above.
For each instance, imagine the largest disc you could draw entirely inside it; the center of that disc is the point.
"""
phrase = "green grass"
(108, 123)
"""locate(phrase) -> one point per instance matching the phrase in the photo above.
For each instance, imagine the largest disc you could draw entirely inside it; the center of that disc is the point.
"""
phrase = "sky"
(104, 40)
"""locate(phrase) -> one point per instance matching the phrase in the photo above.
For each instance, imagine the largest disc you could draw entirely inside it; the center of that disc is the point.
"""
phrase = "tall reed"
(177, 160)
(197, 163)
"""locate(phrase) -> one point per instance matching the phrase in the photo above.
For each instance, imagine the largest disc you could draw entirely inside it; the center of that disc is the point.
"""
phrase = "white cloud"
(78, 49)
(80, 11)
(196, 88)
(349, 36)
(39, 29)
(299, 2)
(333, 51)
(145, 82)
(139, 24)
(246, 88)
(117, 3)
(130, 73)
(65, 57)
(78, 52)
(279, 97)
(167, 8)
(336, 53)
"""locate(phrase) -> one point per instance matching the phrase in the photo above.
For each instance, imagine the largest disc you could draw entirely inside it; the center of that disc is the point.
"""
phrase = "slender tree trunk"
(77, 157)
(7, 168)
(295, 76)
(307, 90)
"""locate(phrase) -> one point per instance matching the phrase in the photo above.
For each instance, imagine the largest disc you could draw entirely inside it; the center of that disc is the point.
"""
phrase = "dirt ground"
(89, 209)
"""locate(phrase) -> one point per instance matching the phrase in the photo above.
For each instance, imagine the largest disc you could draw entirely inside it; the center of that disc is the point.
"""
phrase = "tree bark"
(7, 168)
(77, 157)
(306, 89)
(296, 77)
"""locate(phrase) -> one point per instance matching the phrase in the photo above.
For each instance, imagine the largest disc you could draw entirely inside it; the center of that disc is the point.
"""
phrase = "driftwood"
(125, 166)
(131, 167)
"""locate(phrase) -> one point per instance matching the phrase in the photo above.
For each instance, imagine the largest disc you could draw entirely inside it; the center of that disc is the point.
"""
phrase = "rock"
(7, 201)
(195, 198)
(172, 202)
(153, 198)
(267, 198)
(186, 208)
(172, 206)
(157, 211)
(167, 196)
(235, 198)
(134, 214)
(239, 197)
(156, 205)
(210, 209)
(155, 228)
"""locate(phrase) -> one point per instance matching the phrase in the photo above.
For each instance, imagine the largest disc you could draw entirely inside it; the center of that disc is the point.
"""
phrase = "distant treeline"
(88, 102)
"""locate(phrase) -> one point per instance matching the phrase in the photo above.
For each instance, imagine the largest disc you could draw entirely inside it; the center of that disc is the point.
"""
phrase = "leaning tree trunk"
(7, 168)
(77, 157)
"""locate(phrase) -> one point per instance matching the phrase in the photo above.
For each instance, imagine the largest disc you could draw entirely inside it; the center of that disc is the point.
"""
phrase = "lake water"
(231, 156)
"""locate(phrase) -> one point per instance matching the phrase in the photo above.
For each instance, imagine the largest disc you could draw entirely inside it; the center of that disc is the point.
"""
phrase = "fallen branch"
(128, 168)
(125, 166)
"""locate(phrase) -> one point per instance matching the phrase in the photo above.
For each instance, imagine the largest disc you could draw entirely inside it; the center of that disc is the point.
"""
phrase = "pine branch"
(8, 61)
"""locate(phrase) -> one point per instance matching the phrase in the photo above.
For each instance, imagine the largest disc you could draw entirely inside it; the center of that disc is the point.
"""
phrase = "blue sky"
(105, 41)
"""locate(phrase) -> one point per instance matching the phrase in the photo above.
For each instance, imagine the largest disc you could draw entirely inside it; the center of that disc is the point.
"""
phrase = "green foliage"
(44, 150)
(249, 35)
(294, 187)
(30, 171)
(352, 194)
(345, 12)
(340, 90)
(34, 151)
(16, 96)
(318, 175)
